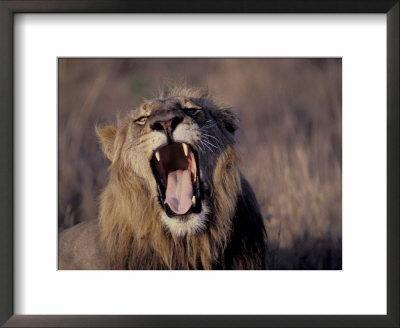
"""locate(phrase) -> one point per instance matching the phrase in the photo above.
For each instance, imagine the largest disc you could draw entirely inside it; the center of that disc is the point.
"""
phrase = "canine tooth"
(185, 149)
(194, 201)
(158, 156)
(195, 178)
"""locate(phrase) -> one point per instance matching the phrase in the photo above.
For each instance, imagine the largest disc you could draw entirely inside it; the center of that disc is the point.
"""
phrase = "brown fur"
(133, 236)
(138, 241)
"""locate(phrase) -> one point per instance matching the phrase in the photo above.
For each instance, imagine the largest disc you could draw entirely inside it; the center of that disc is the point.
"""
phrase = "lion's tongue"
(179, 191)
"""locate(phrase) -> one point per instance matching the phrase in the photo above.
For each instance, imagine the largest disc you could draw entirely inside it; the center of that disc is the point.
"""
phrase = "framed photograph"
(298, 142)
(199, 164)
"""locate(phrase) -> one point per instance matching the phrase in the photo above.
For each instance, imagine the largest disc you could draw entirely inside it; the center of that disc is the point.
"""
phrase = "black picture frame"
(11, 7)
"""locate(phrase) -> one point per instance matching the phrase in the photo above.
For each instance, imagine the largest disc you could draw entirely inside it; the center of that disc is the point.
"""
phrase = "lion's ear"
(229, 119)
(107, 136)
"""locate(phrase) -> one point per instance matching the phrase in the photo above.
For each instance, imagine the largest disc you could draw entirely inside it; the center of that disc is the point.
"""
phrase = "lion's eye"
(141, 120)
(192, 111)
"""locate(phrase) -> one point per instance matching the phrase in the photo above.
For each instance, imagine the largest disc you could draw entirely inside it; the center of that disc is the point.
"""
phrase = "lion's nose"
(168, 125)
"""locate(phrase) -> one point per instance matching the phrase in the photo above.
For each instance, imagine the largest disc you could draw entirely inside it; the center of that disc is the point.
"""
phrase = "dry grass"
(290, 140)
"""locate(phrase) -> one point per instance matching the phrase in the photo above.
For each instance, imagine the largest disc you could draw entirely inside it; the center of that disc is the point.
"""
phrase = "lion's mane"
(133, 239)
(133, 231)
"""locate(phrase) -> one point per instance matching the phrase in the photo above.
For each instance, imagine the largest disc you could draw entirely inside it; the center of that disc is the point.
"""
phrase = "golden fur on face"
(136, 231)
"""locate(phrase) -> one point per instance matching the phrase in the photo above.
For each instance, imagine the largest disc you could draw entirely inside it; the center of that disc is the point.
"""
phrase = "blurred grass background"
(290, 140)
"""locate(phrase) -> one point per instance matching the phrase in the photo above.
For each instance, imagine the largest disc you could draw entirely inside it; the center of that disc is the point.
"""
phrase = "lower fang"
(194, 201)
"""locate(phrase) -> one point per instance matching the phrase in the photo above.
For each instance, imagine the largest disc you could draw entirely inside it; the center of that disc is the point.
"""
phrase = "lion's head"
(174, 182)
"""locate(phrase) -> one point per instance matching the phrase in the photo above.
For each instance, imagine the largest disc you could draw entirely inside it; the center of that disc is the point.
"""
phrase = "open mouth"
(176, 170)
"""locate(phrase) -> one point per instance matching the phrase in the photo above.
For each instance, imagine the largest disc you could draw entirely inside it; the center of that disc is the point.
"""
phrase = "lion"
(175, 198)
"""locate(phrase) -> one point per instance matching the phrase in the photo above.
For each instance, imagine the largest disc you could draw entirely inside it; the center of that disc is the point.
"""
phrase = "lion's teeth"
(194, 201)
(185, 149)
(195, 178)
(158, 156)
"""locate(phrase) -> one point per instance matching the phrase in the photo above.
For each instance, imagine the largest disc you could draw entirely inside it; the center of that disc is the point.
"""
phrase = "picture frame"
(7, 11)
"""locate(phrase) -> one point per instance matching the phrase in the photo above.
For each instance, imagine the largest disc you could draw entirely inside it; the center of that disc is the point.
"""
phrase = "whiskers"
(207, 140)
